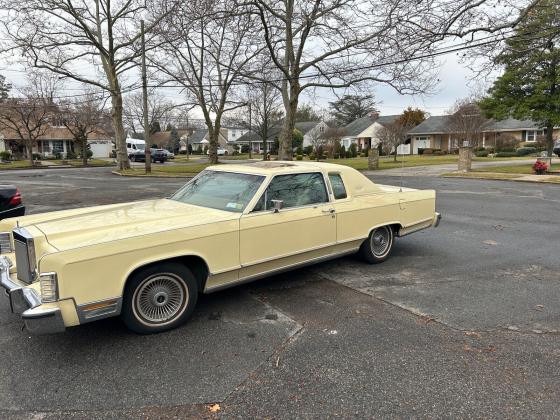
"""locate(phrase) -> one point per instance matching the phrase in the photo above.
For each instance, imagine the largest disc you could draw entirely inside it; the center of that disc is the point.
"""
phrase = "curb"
(502, 179)
(152, 176)
(39, 168)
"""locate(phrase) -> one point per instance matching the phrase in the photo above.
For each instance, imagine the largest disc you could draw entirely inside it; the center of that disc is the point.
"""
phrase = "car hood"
(82, 227)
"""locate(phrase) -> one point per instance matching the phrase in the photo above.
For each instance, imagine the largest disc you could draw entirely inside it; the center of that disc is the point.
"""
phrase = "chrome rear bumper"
(27, 302)
(437, 219)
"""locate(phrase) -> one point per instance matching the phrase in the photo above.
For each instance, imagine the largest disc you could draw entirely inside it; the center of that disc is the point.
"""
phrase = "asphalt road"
(462, 321)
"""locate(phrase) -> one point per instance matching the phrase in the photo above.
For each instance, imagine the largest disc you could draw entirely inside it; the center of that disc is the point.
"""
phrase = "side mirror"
(277, 205)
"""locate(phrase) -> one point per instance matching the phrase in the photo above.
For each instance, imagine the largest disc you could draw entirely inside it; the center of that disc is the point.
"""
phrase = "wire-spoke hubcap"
(381, 241)
(160, 299)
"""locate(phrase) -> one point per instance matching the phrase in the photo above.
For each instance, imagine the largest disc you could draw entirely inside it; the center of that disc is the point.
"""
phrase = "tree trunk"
(120, 137)
(30, 153)
(213, 146)
(84, 151)
(286, 135)
(549, 138)
(265, 137)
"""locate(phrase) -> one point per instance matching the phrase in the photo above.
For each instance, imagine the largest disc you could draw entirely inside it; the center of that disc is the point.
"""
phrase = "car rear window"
(338, 186)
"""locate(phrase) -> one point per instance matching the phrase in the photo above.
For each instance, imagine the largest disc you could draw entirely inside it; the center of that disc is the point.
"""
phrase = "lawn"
(166, 171)
(388, 162)
(21, 164)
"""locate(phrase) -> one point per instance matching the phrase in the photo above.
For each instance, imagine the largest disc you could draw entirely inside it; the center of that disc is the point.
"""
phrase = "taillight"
(16, 199)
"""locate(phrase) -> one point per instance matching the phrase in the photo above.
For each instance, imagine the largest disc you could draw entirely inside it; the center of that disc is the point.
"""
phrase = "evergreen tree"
(351, 107)
(175, 140)
(5, 88)
(529, 88)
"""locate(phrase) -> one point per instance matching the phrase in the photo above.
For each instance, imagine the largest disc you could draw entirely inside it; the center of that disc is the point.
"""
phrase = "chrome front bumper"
(27, 302)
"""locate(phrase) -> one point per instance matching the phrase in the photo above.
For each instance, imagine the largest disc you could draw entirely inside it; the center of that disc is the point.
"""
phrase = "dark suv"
(556, 148)
(157, 155)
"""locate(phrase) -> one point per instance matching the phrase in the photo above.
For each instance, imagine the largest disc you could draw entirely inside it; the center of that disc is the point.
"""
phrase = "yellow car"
(147, 261)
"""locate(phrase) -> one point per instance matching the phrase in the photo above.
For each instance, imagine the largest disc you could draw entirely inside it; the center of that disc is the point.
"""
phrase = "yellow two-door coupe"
(147, 261)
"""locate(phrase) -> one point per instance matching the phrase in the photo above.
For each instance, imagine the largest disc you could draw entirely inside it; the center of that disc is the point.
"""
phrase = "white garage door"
(100, 149)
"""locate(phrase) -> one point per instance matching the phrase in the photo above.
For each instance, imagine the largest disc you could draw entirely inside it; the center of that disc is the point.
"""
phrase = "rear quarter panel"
(357, 216)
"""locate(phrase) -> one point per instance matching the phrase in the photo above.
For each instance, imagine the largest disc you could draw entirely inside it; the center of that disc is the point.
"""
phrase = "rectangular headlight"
(49, 287)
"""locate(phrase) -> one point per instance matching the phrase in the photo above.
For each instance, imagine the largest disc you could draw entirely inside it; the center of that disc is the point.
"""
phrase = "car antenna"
(402, 169)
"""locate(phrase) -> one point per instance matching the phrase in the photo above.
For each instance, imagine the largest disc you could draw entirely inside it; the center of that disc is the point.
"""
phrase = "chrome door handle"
(331, 211)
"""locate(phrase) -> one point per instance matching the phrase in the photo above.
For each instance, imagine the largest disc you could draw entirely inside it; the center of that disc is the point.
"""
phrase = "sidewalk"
(438, 170)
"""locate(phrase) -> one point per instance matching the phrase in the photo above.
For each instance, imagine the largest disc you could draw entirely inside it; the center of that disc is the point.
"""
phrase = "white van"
(134, 145)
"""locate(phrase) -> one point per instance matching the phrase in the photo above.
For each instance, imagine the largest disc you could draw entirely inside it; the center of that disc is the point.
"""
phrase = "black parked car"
(556, 148)
(10, 202)
(157, 155)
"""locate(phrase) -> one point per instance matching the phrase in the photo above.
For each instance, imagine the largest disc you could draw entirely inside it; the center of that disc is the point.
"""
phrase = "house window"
(531, 135)
(57, 146)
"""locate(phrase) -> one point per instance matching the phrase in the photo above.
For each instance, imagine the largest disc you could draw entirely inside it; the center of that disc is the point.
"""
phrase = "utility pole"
(188, 134)
(250, 132)
(147, 151)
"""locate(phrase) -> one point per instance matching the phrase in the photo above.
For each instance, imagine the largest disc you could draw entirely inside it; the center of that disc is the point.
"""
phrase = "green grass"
(163, 171)
(481, 175)
(16, 164)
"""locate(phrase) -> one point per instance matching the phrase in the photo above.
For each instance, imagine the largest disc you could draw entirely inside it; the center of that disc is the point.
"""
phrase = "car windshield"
(141, 146)
(227, 191)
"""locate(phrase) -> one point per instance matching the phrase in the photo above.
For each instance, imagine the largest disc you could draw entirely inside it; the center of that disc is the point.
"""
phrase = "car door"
(302, 230)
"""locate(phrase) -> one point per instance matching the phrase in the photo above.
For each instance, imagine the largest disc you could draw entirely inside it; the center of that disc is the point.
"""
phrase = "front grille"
(25, 255)
(5, 243)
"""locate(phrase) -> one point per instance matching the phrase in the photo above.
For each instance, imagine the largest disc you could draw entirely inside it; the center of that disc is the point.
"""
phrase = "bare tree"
(93, 42)
(27, 118)
(466, 122)
(325, 43)
(159, 110)
(206, 46)
(391, 136)
(318, 141)
(83, 117)
(333, 136)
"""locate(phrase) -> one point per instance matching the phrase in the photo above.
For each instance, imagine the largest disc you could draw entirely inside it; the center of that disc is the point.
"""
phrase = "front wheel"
(159, 298)
(377, 247)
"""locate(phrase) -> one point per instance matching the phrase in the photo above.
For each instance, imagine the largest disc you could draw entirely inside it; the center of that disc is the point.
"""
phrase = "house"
(234, 133)
(56, 140)
(436, 133)
(308, 128)
(163, 138)
(199, 138)
(364, 131)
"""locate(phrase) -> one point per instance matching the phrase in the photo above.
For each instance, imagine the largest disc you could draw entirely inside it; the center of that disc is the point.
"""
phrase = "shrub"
(366, 152)
(312, 156)
(440, 153)
(540, 167)
(244, 148)
(71, 155)
(506, 142)
(481, 153)
(5, 155)
(348, 154)
(427, 151)
(299, 157)
(525, 151)
(506, 154)
(362, 154)
(353, 149)
(299, 150)
(307, 150)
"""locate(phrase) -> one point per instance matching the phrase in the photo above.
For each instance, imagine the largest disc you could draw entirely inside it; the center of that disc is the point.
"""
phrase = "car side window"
(338, 186)
(295, 190)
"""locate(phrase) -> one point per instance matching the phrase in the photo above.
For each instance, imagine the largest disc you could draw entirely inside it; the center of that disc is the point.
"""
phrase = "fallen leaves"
(539, 308)
(214, 408)
(424, 320)
(489, 349)
(490, 242)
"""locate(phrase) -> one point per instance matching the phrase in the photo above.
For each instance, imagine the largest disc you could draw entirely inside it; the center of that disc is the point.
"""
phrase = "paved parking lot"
(462, 321)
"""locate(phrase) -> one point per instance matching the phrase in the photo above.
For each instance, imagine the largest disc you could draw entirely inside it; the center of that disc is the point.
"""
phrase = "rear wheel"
(377, 247)
(159, 298)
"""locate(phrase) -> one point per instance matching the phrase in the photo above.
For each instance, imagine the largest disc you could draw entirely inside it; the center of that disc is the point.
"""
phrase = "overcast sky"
(454, 83)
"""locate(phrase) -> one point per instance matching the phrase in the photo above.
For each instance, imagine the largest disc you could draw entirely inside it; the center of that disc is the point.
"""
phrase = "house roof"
(163, 137)
(436, 124)
(198, 135)
(359, 125)
(303, 126)
(439, 124)
(55, 133)
(510, 124)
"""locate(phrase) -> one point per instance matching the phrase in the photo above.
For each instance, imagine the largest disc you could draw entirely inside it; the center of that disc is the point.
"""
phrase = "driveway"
(462, 321)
